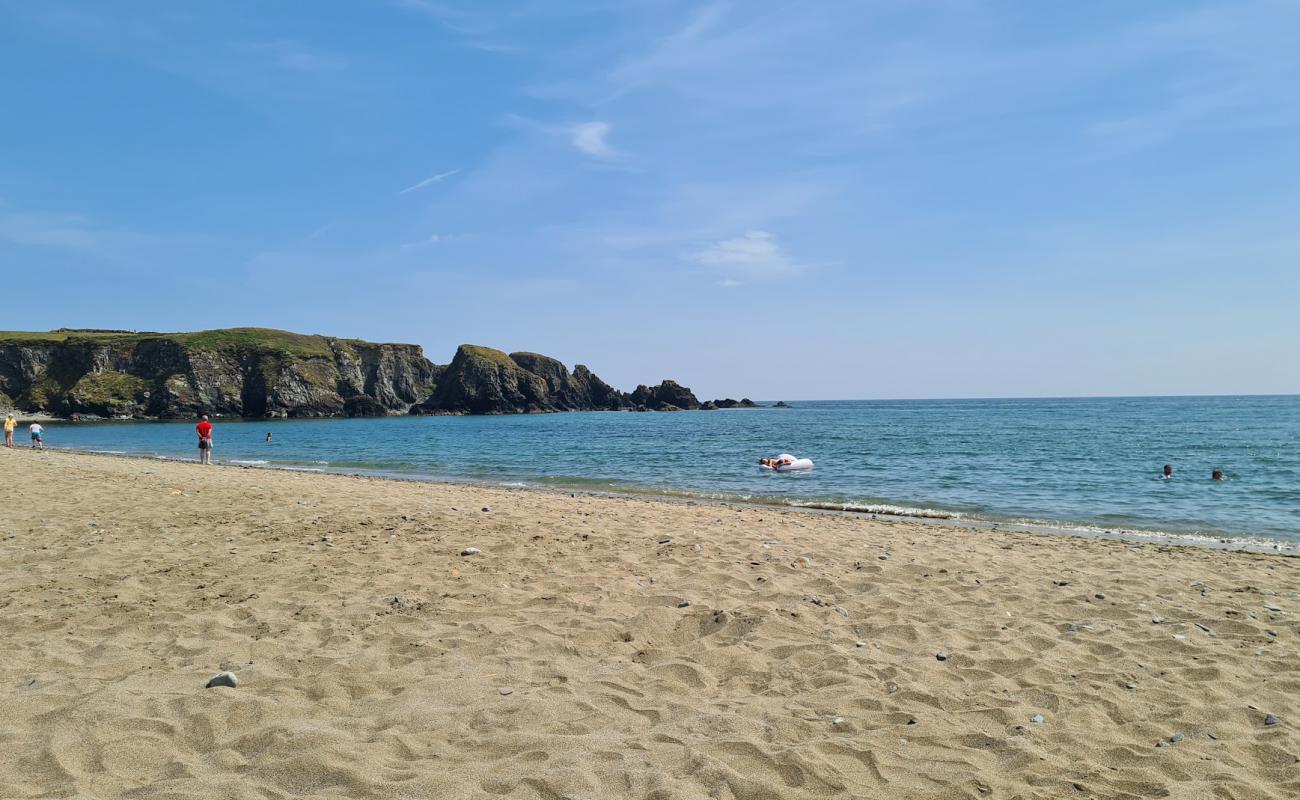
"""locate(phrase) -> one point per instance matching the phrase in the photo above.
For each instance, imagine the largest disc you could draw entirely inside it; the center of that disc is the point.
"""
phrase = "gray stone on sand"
(505, 691)
(1273, 608)
(486, 509)
(470, 551)
(941, 655)
(859, 643)
(1271, 632)
(1038, 719)
(1176, 738)
(1157, 620)
(696, 547)
(223, 679)
(1271, 720)
(1130, 685)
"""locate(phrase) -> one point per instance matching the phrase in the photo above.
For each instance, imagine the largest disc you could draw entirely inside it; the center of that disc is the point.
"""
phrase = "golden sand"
(610, 648)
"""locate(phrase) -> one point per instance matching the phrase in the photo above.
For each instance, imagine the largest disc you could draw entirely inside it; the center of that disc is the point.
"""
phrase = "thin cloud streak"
(429, 181)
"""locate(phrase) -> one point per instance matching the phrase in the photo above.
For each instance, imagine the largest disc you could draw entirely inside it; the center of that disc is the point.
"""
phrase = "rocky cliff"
(257, 372)
(480, 380)
(247, 372)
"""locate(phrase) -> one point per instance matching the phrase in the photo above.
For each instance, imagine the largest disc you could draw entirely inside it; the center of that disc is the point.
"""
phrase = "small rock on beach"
(223, 679)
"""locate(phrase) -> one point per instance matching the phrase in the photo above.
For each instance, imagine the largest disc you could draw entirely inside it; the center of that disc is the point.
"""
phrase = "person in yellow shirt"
(10, 424)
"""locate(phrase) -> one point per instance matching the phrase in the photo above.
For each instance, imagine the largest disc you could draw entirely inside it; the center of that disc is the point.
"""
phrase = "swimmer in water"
(1216, 475)
(1169, 471)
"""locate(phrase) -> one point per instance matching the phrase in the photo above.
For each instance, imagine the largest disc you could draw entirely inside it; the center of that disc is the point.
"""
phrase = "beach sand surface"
(602, 647)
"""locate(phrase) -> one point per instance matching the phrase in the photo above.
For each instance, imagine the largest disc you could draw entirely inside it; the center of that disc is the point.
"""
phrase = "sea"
(1089, 465)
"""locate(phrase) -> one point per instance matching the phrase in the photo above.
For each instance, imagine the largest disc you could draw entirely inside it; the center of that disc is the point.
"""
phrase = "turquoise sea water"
(1070, 462)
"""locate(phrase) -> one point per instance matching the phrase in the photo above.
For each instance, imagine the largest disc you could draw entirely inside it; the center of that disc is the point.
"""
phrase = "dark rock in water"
(601, 395)
(223, 679)
(729, 403)
(363, 405)
(666, 394)
(782, 404)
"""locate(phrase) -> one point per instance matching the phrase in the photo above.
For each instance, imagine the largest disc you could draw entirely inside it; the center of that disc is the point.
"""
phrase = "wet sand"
(602, 647)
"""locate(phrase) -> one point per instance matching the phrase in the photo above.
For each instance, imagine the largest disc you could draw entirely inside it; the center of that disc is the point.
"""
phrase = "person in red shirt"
(204, 430)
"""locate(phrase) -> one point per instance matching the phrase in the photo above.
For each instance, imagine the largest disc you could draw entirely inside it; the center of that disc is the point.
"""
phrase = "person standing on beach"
(37, 430)
(204, 430)
(10, 425)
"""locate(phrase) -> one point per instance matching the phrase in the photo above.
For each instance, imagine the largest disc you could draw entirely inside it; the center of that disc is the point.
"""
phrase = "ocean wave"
(249, 463)
(881, 508)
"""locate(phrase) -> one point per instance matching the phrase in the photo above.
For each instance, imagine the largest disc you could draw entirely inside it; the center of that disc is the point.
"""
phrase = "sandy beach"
(603, 647)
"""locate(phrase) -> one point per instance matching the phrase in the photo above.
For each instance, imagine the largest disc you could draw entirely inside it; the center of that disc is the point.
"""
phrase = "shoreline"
(1045, 528)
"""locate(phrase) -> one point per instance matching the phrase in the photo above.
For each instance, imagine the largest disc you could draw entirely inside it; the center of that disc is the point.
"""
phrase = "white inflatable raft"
(795, 465)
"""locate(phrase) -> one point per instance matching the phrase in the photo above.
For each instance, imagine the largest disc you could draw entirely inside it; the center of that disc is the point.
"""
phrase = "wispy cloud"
(429, 181)
(755, 255)
(75, 233)
(298, 57)
(589, 138)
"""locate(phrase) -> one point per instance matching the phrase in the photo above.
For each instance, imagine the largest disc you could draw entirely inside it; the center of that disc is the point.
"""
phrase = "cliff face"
(237, 372)
(256, 372)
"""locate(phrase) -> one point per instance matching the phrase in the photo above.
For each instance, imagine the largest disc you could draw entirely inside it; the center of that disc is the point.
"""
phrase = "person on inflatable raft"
(785, 462)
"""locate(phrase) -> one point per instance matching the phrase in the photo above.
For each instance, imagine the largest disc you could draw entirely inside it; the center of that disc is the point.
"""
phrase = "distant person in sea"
(37, 431)
(1216, 475)
(1169, 471)
(10, 425)
(204, 430)
(268, 436)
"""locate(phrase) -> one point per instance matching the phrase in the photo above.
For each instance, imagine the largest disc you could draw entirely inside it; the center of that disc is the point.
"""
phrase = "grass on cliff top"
(488, 354)
(220, 340)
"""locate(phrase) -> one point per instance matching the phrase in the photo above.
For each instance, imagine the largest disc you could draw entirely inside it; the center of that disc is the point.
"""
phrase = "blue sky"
(773, 199)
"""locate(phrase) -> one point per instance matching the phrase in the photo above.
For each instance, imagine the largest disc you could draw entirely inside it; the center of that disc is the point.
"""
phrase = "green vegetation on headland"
(262, 372)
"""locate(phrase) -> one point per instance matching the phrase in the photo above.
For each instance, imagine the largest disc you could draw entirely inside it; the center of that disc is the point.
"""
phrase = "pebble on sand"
(941, 655)
(470, 551)
(505, 691)
(1038, 719)
(1157, 620)
(486, 509)
(1270, 720)
(223, 679)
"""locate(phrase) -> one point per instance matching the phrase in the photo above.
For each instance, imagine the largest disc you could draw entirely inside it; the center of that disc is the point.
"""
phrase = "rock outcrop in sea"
(258, 372)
